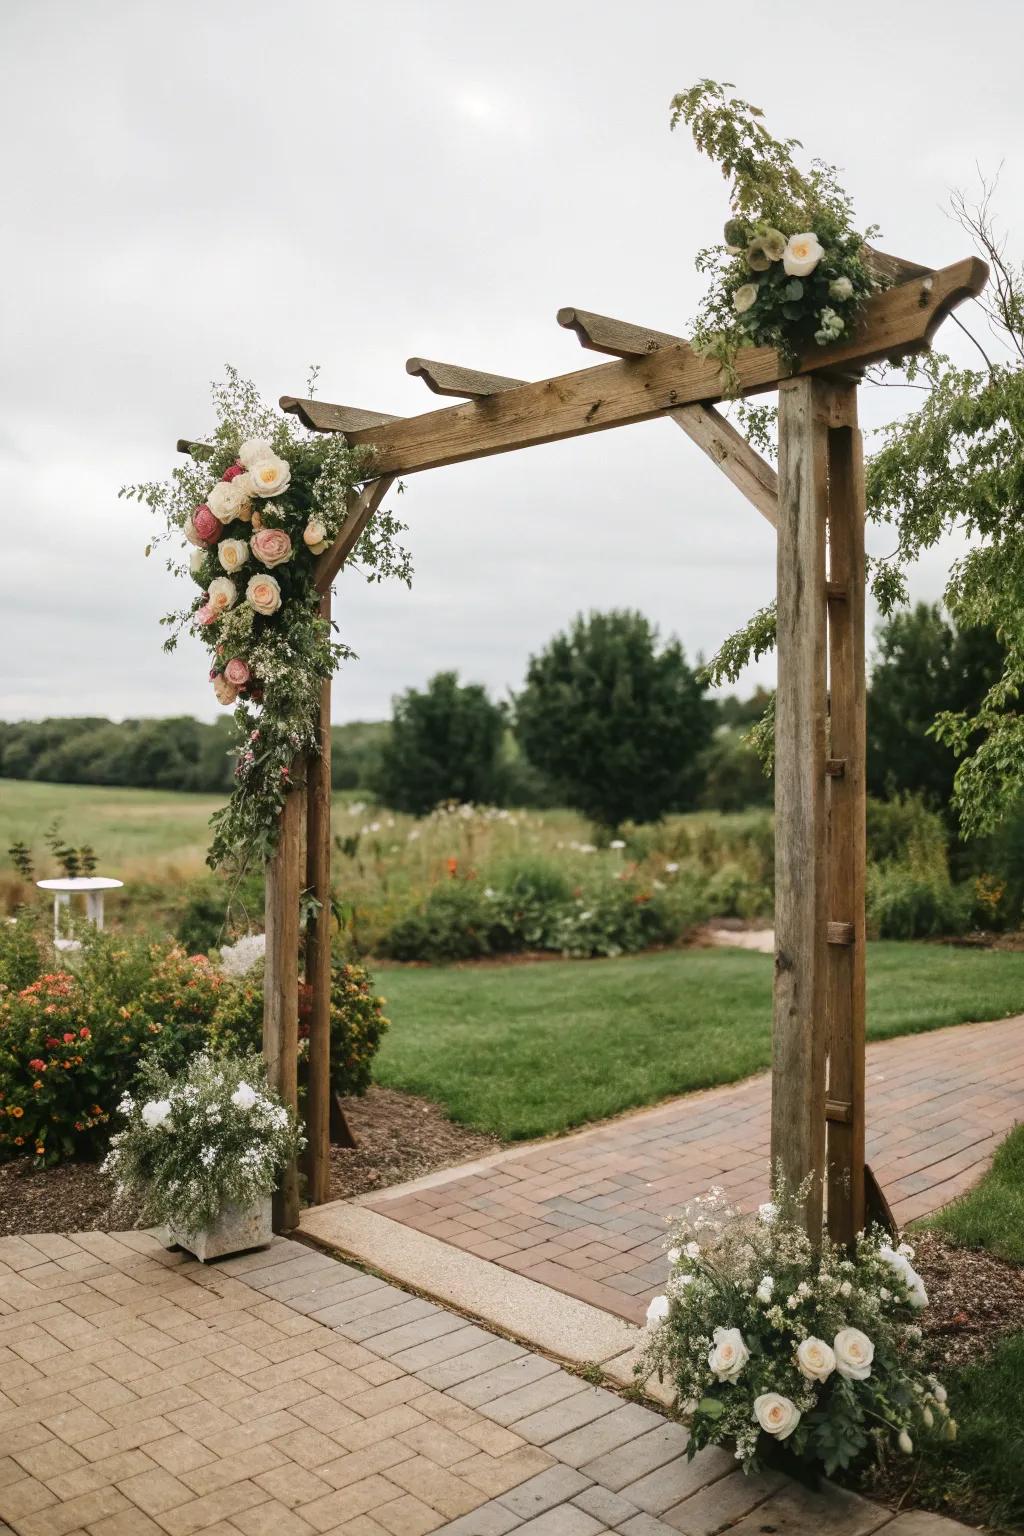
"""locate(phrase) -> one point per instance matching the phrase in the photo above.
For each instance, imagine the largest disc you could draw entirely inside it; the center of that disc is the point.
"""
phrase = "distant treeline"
(175, 753)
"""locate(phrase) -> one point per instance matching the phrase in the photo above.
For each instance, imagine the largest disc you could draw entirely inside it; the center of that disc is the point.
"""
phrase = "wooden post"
(281, 981)
(798, 1037)
(846, 823)
(318, 949)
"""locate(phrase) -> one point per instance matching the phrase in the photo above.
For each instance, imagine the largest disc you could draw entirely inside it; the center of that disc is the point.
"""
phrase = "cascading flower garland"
(258, 512)
(791, 273)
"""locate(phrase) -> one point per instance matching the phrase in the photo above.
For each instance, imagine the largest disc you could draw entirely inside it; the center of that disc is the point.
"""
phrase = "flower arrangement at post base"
(791, 272)
(258, 513)
(194, 1145)
(774, 1344)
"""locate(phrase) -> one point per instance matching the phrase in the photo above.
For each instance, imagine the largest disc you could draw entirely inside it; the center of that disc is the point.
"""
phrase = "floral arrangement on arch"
(790, 272)
(258, 512)
(773, 1343)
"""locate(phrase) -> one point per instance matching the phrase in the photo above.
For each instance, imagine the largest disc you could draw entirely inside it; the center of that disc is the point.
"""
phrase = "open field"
(532, 1050)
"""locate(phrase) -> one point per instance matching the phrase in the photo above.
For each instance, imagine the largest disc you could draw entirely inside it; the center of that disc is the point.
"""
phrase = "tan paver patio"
(586, 1214)
(284, 1393)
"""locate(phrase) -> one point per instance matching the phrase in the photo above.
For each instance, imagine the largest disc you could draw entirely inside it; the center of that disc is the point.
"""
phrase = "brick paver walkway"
(586, 1214)
(284, 1394)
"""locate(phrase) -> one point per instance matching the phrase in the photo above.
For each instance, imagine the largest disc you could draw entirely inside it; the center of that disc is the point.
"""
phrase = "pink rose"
(205, 614)
(271, 546)
(237, 672)
(224, 691)
(232, 471)
(205, 525)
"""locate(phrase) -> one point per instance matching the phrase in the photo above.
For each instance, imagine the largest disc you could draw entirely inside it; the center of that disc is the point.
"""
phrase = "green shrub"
(357, 1023)
(454, 922)
(908, 903)
(526, 899)
(905, 831)
(204, 922)
(21, 949)
(623, 916)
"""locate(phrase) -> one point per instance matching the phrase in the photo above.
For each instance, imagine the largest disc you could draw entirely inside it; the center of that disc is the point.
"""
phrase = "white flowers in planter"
(771, 1341)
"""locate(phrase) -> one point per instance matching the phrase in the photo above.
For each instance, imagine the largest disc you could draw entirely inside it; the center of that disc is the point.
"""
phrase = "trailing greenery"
(213, 1136)
(790, 273)
(274, 494)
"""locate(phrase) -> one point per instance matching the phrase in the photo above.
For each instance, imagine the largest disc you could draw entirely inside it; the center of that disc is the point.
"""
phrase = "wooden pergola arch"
(816, 503)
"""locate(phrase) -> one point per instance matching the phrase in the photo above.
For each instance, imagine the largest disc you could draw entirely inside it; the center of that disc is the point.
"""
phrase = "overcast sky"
(349, 182)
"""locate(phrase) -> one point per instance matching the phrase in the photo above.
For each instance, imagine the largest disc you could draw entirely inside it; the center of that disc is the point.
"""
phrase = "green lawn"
(532, 1050)
(992, 1214)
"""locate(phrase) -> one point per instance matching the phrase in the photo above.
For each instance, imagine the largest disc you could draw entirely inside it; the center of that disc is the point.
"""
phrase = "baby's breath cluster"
(258, 510)
(192, 1145)
(772, 1342)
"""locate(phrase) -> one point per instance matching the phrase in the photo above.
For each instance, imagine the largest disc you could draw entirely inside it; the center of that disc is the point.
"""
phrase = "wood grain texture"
(318, 948)
(737, 460)
(637, 388)
(618, 338)
(847, 830)
(337, 418)
(798, 1034)
(281, 979)
(361, 507)
(464, 383)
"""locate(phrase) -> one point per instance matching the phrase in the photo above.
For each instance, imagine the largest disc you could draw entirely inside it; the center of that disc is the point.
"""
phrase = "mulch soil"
(399, 1137)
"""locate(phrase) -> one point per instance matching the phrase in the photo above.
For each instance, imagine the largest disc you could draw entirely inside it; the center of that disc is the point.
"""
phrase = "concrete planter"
(236, 1229)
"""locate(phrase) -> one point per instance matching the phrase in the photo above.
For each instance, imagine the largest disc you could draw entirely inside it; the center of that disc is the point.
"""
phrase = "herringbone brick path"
(586, 1214)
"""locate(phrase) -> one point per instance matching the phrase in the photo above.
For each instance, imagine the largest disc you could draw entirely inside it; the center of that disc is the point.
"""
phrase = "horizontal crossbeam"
(464, 383)
(902, 319)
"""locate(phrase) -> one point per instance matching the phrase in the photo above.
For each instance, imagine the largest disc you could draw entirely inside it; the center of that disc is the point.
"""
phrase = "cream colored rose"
(915, 1292)
(802, 254)
(253, 450)
(657, 1311)
(728, 1354)
(776, 1414)
(232, 553)
(270, 477)
(263, 594)
(815, 1359)
(223, 689)
(197, 560)
(271, 546)
(854, 1353)
(222, 594)
(314, 536)
(744, 297)
(226, 499)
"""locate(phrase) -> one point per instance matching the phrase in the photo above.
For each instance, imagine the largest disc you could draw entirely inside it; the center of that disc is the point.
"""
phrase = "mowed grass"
(991, 1215)
(533, 1050)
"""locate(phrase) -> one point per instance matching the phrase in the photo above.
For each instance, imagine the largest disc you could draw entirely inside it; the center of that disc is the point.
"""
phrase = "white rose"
(658, 1311)
(744, 298)
(728, 1354)
(222, 594)
(765, 1289)
(197, 561)
(156, 1113)
(244, 1097)
(314, 536)
(263, 593)
(776, 1414)
(692, 1250)
(802, 254)
(815, 1359)
(232, 553)
(674, 1255)
(854, 1353)
(226, 498)
(270, 476)
(913, 1284)
(253, 450)
(840, 288)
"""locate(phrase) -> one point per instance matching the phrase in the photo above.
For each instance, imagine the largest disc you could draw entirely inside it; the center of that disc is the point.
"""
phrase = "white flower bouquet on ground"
(195, 1146)
(772, 1344)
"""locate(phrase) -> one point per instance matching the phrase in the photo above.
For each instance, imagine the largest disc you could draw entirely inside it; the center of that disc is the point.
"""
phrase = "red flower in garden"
(37, 1065)
(85, 1032)
(453, 867)
(69, 1038)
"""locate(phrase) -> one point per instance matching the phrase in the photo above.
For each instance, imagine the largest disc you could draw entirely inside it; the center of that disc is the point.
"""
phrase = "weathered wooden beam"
(737, 460)
(891, 269)
(618, 338)
(637, 388)
(347, 419)
(281, 980)
(798, 1032)
(198, 451)
(463, 383)
(361, 507)
(318, 948)
(847, 830)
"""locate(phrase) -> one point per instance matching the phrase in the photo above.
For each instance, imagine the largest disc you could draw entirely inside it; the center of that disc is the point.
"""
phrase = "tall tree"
(616, 722)
(924, 665)
(444, 744)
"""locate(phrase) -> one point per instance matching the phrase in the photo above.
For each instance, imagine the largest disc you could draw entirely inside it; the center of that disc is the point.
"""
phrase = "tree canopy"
(444, 744)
